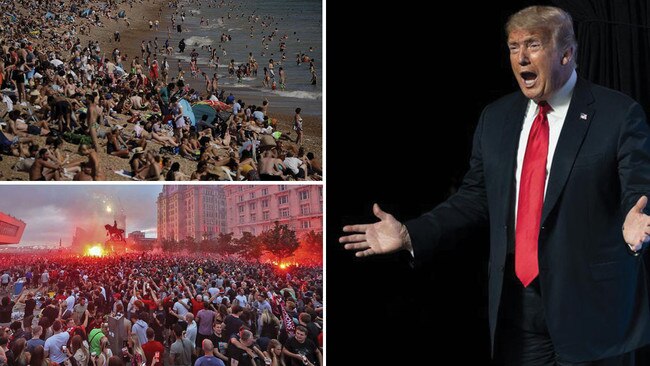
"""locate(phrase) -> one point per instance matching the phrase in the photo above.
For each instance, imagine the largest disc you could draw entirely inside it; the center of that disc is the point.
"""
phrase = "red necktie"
(531, 198)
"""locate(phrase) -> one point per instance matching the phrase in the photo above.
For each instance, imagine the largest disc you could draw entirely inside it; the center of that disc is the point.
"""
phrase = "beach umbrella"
(85, 13)
(49, 15)
(187, 110)
(201, 109)
(56, 62)
(119, 71)
(121, 14)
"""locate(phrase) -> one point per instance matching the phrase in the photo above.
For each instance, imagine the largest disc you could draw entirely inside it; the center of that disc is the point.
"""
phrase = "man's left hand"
(636, 228)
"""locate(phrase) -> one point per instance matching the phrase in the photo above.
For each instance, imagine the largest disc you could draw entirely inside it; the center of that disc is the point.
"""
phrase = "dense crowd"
(155, 310)
(56, 88)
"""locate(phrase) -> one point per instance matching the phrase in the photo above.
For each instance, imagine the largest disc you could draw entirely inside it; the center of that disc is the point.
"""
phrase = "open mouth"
(528, 78)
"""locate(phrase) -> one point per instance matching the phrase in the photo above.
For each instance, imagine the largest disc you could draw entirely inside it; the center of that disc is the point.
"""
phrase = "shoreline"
(132, 36)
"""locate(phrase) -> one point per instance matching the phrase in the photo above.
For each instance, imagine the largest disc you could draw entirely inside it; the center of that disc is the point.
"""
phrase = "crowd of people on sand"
(56, 89)
(158, 309)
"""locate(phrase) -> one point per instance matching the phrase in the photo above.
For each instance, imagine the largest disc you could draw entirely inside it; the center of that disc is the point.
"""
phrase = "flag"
(289, 326)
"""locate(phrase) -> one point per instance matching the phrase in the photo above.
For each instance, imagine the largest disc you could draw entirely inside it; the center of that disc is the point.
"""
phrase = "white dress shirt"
(559, 102)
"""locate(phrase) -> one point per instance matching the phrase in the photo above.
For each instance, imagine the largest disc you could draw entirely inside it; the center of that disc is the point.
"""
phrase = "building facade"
(192, 211)
(139, 239)
(256, 208)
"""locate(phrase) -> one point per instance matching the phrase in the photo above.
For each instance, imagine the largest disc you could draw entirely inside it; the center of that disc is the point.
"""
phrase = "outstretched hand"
(636, 228)
(385, 236)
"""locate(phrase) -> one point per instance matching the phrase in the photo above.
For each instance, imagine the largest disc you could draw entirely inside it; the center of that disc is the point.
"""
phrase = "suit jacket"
(594, 292)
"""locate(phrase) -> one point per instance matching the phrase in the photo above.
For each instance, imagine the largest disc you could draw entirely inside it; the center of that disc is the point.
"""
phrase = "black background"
(399, 132)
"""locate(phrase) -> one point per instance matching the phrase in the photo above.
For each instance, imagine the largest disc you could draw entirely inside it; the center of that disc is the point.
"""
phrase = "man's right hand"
(385, 236)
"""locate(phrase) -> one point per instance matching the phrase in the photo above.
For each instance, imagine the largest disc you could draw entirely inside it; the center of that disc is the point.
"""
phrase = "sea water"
(299, 20)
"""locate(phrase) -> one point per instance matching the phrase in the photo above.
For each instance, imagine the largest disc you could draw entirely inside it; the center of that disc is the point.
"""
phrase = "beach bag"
(77, 139)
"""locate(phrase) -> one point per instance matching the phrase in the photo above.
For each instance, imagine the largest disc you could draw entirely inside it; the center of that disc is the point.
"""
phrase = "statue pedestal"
(116, 247)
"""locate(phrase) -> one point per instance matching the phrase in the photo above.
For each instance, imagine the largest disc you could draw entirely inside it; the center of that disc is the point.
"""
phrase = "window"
(252, 195)
(265, 215)
(304, 195)
(284, 212)
(320, 191)
(241, 209)
(283, 187)
(304, 209)
(265, 203)
(241, 219)
(265, 191)
(282, 200)
(305, 224)
(241, 198)
(251, 206)
(253, 217)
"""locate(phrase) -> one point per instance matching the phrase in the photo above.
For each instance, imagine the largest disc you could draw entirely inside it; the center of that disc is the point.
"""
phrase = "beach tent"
(201, 109)
(121, 14)
(187, 110)
(49, 15)
(85, 13)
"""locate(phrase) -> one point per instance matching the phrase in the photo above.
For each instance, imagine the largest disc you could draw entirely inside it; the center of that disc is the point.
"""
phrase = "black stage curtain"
(614, 44)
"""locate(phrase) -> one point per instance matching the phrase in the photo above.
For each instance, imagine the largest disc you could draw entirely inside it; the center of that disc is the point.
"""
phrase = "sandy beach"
(131, 37)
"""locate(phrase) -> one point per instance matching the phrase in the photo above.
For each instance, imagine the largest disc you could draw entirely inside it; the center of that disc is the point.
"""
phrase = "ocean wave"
(298, 94)
(212, 25)
(199, 41)
(186, 58)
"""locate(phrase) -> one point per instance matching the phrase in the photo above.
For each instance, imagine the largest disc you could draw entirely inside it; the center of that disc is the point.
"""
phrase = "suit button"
(543, 227)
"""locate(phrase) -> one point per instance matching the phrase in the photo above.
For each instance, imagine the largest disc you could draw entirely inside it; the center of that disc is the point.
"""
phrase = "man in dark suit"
(559, 171)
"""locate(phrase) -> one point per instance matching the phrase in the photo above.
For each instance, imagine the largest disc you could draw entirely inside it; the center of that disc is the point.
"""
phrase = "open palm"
(636, 228)
(385, 236)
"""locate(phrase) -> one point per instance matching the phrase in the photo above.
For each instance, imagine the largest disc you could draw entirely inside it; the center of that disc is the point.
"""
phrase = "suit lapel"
(510, 142)
(572, 135)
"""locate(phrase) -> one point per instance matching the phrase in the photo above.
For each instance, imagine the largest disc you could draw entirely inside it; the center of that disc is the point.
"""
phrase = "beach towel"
(121, 14)
(126, 174)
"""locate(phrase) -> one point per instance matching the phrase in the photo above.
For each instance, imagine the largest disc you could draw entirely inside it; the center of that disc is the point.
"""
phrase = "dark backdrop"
(391, 141)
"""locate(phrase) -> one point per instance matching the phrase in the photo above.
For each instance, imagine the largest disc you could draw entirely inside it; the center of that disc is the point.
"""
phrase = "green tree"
(249, 246)
(312, 242)
(280, 241)
(224, 243)
(188, 244)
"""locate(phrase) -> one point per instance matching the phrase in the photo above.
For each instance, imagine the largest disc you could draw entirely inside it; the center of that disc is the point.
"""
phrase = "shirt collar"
(561, 99)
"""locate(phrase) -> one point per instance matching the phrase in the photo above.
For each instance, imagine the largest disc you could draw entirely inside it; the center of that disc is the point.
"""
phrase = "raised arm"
(446, 224)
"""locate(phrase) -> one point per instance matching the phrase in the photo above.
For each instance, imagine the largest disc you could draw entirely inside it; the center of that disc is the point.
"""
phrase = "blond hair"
(548, 18)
